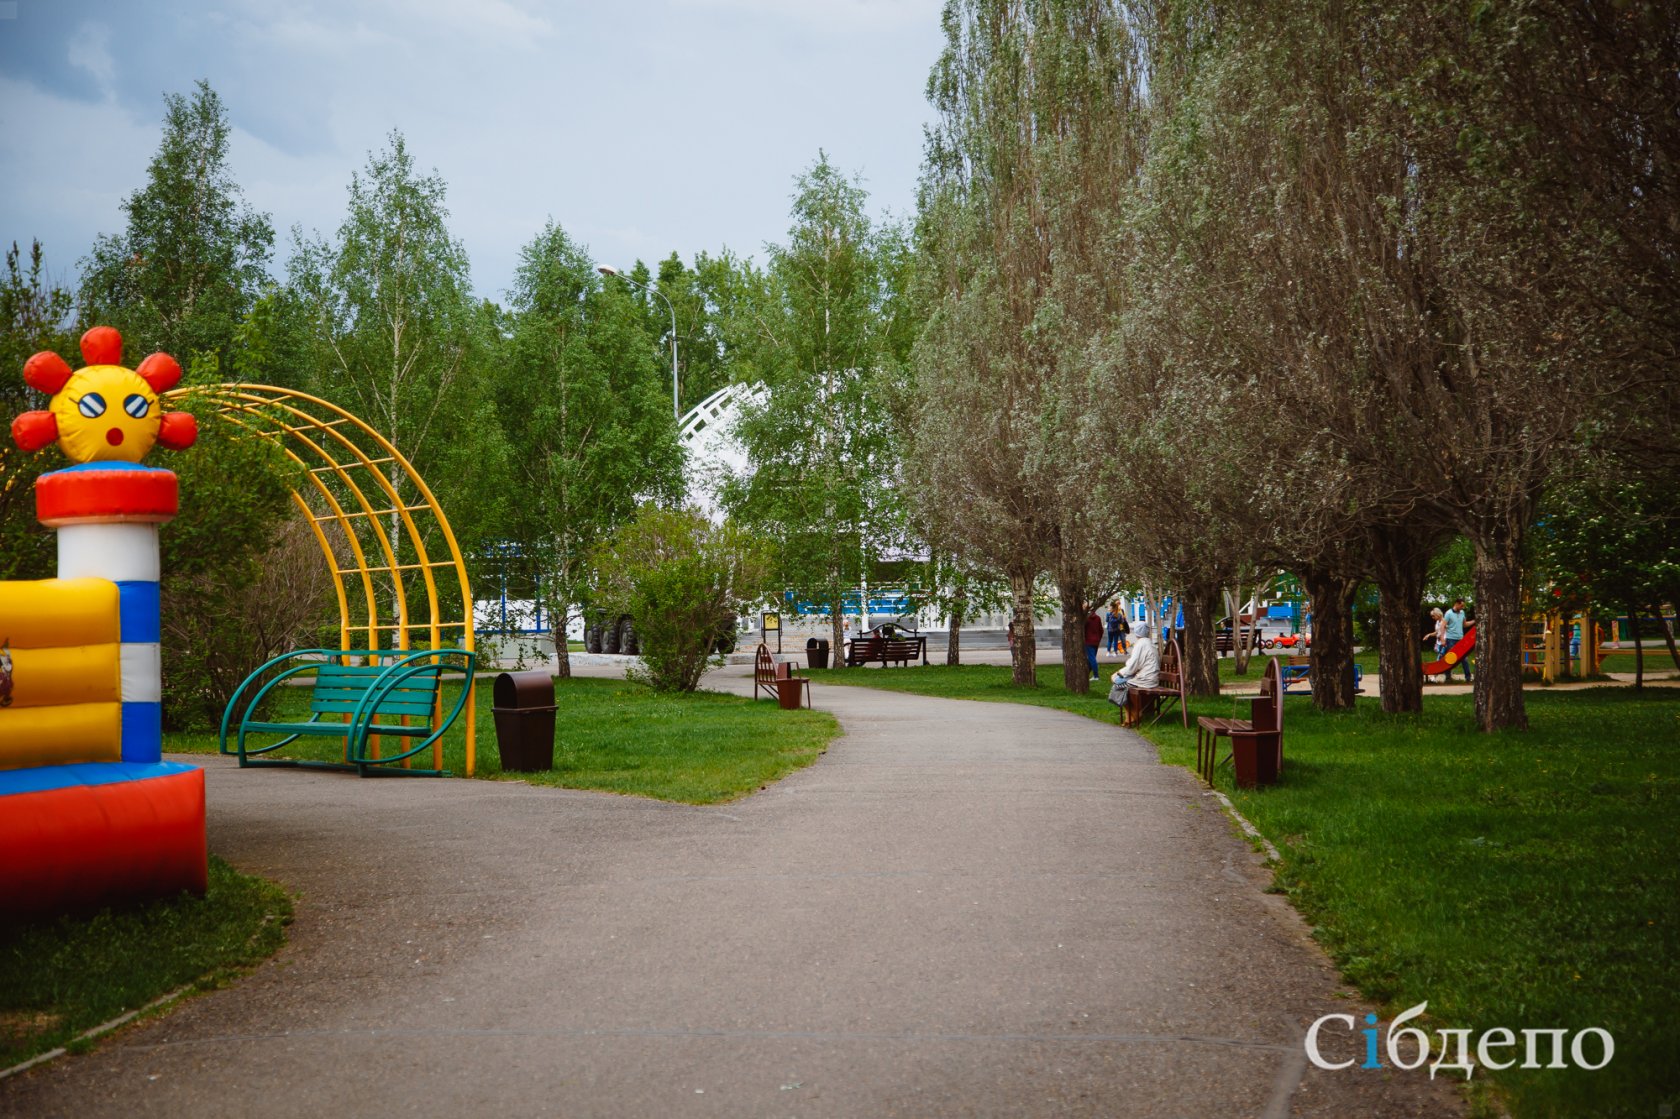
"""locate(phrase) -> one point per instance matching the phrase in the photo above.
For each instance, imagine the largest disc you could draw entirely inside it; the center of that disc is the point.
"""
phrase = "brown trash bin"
(523, 707)
(787, 692)
(1254, 758)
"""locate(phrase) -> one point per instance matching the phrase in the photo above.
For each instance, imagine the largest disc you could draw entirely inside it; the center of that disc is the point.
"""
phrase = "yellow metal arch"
(376, 520)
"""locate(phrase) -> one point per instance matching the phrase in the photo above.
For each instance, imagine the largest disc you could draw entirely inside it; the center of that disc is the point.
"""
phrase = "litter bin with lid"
(816, 652)
(523, 707)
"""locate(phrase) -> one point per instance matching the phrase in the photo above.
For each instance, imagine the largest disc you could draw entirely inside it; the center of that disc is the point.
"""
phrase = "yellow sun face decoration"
(103, 412)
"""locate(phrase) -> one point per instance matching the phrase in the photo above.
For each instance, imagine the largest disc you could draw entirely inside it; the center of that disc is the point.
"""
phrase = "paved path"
(961, 909)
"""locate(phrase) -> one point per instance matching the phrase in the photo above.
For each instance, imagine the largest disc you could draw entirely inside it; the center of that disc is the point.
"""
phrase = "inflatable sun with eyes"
(103, 412)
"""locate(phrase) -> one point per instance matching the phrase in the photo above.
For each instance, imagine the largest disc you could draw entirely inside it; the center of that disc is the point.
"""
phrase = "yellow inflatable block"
(50, 613)
(76, 674)
(78, 732)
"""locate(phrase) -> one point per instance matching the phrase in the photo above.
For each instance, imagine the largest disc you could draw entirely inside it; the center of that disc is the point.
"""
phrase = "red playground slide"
(1457, 653)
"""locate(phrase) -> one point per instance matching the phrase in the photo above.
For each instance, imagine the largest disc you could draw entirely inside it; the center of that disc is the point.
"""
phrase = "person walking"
(1438, 635)
(1093, 640)
(1141, 670)
(1453, 621)
(1112, 625)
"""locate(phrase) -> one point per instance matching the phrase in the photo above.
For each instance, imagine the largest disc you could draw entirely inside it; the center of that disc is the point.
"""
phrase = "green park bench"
(358, 696)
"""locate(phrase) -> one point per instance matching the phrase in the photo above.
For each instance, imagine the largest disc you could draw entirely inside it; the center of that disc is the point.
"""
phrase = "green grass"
(1525, 880)
(60, 978)
(625, 738)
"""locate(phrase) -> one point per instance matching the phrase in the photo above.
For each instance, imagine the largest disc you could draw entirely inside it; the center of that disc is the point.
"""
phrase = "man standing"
(1454, 620)
(1093, 639)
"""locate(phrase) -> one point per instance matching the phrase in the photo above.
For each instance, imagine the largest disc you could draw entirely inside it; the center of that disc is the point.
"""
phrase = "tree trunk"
(1201, 656)
(1499, 698)
(562, 651)
(1638, 650)
(1667, 631)
(1400, 567)
(953, 647)
(837, 629)
(1332, 636)
(1076, 674)
(1241, 649)
(1023, 653)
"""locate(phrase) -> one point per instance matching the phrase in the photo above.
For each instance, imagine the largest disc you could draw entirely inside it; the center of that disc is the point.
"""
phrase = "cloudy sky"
(641, 126)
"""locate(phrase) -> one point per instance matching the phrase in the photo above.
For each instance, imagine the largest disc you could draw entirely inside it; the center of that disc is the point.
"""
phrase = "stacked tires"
(611, 635)
(618, 635)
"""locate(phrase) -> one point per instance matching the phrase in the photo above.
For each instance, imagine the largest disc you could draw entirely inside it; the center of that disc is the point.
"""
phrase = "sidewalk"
(961, 909)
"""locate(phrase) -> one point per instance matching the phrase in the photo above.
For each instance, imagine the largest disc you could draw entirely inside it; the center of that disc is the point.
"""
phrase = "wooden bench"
(768, 676)
(1210, 729)
(1298, 670)
(885, 650)
(359, 696)
(1155, 701)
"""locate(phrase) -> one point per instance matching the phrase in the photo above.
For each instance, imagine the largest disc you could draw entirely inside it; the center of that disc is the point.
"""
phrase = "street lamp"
(609, 270)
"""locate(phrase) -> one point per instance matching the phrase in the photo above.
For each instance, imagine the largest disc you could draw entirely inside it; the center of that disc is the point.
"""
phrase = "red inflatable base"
(83, 846)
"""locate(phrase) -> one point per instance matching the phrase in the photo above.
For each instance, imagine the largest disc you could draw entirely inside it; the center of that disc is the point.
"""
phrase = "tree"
(396, 338)
(582, 398)
(34, 314)
(683, 580)
(1032, 155)
(194, 258)
(821, 439)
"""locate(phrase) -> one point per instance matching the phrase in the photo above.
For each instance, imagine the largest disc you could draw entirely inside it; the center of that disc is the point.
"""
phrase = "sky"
(642, 127)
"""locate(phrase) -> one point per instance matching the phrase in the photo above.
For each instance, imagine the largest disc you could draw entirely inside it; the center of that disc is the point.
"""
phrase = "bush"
(682, 580)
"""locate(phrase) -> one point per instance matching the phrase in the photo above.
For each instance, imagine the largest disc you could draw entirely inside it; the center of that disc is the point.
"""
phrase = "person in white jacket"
(1141, 670)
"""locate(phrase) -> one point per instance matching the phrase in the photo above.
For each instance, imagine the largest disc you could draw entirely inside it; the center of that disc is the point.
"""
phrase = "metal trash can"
(523, 706)
(816, 652)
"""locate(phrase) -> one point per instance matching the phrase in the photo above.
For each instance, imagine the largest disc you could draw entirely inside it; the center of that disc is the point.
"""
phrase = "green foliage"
(225, 610)
(193, 259)
(396, 337)
(34, 314)
(821, 436)
(1612, 541)
(582, 399)
(61, 977)
(683, 580)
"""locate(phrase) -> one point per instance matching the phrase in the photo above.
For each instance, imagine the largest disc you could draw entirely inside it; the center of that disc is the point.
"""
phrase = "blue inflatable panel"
(39, 779)
(142, 732)
(139, 613)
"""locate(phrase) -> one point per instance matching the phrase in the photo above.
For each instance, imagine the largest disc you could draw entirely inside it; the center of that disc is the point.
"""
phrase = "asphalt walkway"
(960, 909)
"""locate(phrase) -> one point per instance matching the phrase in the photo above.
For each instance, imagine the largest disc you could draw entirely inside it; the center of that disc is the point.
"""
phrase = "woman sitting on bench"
(1141, 670)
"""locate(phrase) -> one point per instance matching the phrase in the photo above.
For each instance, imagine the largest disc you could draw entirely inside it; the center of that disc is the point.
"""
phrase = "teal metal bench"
(358, 696)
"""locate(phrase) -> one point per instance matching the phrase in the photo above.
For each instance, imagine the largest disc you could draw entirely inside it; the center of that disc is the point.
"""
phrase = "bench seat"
(356, 695)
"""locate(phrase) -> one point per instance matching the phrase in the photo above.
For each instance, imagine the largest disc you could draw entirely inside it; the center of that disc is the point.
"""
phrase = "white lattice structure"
(708, 438)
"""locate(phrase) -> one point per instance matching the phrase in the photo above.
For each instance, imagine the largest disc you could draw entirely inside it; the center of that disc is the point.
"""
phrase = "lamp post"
(609, 270)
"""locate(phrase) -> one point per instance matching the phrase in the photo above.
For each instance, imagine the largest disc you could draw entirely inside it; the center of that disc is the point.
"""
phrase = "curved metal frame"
(383, 521)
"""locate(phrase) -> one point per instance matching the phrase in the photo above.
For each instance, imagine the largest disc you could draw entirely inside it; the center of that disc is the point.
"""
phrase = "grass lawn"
(625, 738)
(1525, 880)
(62, 977)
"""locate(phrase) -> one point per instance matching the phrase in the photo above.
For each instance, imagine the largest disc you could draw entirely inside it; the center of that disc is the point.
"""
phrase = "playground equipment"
(398, 573)
(1460, 649)
(90, 814)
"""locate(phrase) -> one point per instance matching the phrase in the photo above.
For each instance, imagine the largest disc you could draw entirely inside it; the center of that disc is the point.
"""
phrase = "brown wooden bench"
(768, 676)
(885, 650)
(1210, 729)
(1155, 701)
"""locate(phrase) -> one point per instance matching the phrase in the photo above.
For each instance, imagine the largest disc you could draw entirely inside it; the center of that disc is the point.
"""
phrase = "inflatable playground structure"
(90, 812)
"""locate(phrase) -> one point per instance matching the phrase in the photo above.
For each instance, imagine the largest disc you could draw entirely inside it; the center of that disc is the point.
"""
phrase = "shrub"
(681, 579)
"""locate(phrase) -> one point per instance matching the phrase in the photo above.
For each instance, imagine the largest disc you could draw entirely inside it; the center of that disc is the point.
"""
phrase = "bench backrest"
(764, 668)
(1172, 667)
(340, 689)
(902, 647)
(1267, 711)
(867, 648)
